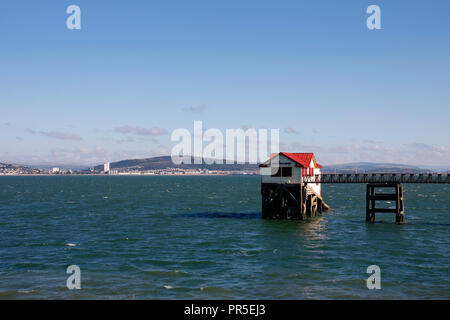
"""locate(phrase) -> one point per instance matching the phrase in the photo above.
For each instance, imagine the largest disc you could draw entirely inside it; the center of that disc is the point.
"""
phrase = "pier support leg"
(372, 196)
(312, 206)
(399, 204)
(370, 203)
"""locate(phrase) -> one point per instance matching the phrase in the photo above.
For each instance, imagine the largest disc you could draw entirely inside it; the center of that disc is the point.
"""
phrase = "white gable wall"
(316, 187)
(283, 162)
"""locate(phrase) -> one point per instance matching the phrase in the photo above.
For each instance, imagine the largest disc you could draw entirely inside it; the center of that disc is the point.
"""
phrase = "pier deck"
(378, 178)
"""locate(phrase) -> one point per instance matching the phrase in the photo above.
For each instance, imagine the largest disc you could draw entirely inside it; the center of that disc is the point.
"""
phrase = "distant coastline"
(163, 166)
(125, 175)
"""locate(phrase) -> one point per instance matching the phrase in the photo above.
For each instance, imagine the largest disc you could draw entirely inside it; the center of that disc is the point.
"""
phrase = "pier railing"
(378, 178)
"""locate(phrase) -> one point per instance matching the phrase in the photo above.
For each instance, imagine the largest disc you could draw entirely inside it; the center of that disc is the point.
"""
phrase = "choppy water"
(202, 238)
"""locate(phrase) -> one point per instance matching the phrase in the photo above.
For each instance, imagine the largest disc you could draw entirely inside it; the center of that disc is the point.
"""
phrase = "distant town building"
(55, 170)
(106, 167)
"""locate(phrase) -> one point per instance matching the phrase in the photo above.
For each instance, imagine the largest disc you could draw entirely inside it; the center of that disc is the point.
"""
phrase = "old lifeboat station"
(285, 192)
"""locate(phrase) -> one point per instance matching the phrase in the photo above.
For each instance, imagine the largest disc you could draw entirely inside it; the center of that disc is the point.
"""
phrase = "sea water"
(202, 237)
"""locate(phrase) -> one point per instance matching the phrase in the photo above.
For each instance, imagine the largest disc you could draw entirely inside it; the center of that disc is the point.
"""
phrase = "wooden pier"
(291, 187)
(379, 178)
(382, 180)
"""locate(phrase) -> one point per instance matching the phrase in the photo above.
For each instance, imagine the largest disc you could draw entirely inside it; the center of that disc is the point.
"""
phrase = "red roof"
(303, 159)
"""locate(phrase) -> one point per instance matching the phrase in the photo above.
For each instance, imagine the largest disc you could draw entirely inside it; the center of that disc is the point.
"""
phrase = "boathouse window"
(286, 172)
(283, 172)
(278, 173)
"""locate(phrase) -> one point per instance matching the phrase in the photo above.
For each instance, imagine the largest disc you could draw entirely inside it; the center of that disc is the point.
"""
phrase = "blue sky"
(137, 70)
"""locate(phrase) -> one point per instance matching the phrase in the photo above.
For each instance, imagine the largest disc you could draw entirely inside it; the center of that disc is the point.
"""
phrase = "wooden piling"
(290, 201)
(372, 196)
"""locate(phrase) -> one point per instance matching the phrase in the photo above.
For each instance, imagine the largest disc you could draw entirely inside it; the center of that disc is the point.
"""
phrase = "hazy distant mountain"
(373, 167)
(14, 168)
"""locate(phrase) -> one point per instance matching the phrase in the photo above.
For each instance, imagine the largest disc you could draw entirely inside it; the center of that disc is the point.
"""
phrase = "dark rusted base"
(290, 201)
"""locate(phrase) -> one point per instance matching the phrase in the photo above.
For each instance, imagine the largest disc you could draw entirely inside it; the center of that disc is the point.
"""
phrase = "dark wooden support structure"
(290, 201)
(372, 196)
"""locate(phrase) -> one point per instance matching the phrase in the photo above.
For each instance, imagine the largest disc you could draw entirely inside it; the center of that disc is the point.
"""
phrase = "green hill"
(165, 162)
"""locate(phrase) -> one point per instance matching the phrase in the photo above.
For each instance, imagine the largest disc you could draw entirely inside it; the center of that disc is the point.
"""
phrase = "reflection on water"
(314, 230)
